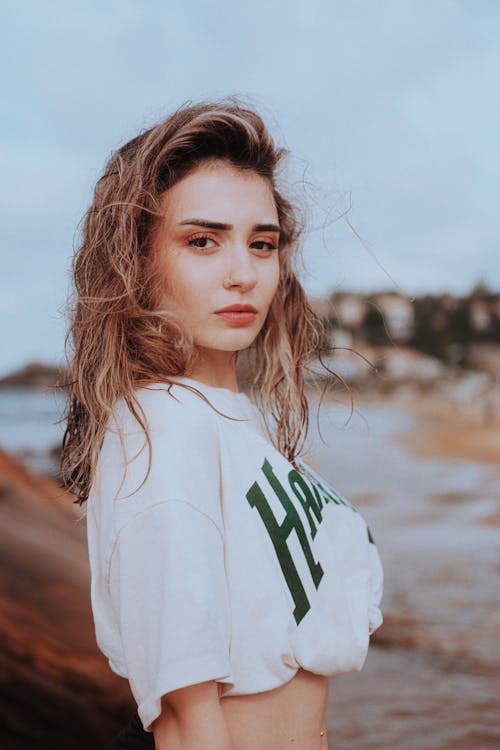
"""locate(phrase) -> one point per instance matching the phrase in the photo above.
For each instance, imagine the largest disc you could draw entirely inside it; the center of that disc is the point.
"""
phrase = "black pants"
(133, 737)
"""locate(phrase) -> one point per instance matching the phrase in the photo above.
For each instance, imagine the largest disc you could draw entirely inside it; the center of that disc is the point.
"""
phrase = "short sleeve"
(168, 590)
(375, 618)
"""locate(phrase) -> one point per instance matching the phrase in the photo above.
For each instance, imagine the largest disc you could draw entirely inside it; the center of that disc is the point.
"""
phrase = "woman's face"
(217, 247)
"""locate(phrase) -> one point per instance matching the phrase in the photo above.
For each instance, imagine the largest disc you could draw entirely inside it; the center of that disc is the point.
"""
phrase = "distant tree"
(481, 290)
(373, 328)
(442, 332)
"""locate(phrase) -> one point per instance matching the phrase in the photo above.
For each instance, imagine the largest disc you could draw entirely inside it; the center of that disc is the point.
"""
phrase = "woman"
(229, 580)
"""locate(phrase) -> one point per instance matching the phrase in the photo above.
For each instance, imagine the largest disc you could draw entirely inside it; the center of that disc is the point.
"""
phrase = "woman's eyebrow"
(227, 227)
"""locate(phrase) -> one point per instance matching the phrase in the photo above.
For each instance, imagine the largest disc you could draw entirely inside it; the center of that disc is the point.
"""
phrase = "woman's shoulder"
(181, 461)
(165, 405)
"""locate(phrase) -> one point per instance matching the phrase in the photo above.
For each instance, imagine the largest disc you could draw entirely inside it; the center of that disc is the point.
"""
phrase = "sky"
(390, 110)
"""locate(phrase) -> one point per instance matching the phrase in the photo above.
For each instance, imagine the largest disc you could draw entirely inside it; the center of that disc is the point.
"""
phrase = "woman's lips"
(237, 317)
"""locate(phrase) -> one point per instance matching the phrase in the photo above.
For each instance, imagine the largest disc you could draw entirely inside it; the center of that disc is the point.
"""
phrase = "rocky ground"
(56, 689)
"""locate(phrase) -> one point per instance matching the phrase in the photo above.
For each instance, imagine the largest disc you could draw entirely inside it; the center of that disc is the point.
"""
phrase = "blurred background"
(391, 114)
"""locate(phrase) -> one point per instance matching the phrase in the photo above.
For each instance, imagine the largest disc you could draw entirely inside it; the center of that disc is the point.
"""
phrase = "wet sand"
(447, 431)
(413, 700)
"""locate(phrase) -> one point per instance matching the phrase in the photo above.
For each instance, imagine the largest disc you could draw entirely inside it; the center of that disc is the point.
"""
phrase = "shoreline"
(448, 432)
(442, 429)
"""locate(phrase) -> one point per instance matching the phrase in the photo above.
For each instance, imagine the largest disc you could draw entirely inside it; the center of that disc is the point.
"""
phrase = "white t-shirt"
(227, 564)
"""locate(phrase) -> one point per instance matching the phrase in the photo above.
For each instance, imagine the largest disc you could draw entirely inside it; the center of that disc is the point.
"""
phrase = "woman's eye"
(200, 241)
(264, 245)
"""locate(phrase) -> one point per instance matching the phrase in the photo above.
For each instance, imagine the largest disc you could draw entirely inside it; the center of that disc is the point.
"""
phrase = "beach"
(432, 674)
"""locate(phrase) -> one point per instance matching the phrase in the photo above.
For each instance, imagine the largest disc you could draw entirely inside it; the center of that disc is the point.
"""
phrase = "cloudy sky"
(390, 109)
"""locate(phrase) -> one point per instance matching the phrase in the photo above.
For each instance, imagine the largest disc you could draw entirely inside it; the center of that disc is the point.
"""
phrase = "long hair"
(120, 338)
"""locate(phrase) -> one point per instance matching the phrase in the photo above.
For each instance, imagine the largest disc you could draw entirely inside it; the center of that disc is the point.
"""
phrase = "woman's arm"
(192, 719)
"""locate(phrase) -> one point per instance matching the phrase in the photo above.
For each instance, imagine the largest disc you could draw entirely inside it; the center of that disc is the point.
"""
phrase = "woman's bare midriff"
(292, 716)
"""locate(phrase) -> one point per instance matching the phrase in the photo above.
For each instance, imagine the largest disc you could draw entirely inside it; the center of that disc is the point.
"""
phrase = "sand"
(444, 430)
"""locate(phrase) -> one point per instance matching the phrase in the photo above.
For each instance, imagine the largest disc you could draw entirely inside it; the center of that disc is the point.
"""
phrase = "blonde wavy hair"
(121, 340)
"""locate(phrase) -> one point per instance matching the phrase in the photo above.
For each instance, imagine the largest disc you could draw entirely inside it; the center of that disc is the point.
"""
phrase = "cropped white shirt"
(226, 564)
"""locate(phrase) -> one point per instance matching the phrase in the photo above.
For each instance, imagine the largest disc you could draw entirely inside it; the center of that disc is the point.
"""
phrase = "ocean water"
(29, 425)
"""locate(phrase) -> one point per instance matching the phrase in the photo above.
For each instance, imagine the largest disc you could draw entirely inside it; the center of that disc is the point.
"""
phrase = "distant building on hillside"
(398, 314)
(480, 315)
(350, 310)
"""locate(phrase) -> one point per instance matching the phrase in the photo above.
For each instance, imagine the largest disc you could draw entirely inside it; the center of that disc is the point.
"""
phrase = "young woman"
(229, 580)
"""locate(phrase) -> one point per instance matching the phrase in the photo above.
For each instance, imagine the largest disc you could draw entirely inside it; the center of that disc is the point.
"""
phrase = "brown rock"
(56, 688)
(36, 375)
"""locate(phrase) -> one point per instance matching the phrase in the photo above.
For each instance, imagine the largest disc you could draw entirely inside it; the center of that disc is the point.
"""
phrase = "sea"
(30, 426)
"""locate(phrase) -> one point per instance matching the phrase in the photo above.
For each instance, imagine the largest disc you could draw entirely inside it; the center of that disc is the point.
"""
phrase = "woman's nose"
(240, 268)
